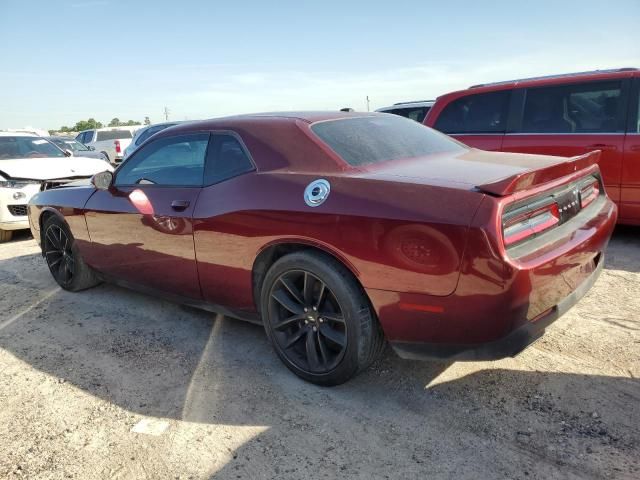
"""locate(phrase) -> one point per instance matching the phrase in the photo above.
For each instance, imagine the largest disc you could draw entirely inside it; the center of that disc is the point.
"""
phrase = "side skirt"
(251, 317)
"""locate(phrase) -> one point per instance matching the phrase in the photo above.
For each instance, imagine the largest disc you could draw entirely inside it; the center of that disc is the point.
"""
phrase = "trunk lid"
(495, 173)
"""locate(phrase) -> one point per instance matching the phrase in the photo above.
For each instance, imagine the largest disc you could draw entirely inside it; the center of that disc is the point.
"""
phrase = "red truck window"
(479, 113)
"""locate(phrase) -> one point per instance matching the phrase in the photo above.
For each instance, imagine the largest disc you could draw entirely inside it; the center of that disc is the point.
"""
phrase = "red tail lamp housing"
(588, 193)
(118, 148)
(529, 223)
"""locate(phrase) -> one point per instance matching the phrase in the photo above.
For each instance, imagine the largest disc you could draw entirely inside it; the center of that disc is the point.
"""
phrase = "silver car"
(76, 148)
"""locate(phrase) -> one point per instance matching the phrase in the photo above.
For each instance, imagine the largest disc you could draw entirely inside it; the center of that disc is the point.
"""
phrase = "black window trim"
(516, 112)
(210, 139)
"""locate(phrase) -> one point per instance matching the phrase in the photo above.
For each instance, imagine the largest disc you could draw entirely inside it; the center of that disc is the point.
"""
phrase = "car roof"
(17, 134)
(562, 76)
(276, 140)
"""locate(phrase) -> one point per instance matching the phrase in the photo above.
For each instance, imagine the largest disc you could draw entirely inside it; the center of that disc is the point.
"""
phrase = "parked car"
(76, 148)
(564, 115)
(414, 110)
(111, 141)
(29, 164)
(338, 230)
(144, 133)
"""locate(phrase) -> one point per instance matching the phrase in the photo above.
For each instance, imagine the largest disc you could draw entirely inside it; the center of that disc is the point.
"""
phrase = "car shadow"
(398, 419)
(624, 248)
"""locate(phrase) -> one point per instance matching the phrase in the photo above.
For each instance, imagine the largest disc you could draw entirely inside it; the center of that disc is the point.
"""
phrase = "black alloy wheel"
(59, 255)
(63, 257)
(307, 321)
(319, 318)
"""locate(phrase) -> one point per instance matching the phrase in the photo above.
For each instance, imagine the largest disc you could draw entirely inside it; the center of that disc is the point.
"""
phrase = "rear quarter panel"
(391, 235)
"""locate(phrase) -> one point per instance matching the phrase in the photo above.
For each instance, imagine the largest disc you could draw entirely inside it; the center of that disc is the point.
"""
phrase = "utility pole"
(368, 103)
(166, 114)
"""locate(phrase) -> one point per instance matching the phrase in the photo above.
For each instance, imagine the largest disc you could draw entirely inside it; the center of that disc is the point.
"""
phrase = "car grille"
(17, 210)
(49, 184)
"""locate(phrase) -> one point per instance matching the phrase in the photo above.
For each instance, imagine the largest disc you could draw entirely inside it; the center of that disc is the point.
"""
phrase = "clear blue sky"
(66, 60)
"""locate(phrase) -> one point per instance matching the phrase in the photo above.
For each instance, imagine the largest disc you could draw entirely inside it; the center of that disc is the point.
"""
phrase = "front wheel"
(318, 318)
(63, 257)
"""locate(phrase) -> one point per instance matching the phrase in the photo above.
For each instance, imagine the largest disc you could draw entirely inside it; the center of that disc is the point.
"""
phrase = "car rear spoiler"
(525, 180)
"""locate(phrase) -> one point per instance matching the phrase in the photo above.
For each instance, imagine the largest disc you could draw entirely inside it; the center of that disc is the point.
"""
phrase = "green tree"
(86, 125)
(115, 122)
(130, 123)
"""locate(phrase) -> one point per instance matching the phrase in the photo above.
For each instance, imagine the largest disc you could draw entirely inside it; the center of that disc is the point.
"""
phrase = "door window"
(171, 161)
(579, 108)
(480, 113)
(227, 158)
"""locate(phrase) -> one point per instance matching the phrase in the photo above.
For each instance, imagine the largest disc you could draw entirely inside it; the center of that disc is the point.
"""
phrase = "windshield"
(374, 139)
(113, 135)
(27, 147)
(69, 144)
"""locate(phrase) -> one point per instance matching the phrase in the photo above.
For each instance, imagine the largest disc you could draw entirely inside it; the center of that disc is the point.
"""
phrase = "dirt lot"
(113, 384)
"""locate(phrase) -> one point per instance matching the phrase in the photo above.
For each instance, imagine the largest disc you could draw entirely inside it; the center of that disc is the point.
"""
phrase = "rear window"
(366, 140)
(113, 135)
(414, 113)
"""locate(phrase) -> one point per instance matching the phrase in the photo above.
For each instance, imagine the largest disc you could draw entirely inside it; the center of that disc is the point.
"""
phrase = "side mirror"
(68, 153)
(102, 180)
(91, 147)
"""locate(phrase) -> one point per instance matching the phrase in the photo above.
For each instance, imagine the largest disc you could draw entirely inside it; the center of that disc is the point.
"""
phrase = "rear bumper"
(500, 305)
(507, 346)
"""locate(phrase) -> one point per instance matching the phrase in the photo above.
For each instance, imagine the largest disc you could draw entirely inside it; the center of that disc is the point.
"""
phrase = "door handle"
(603, 146)
(179, 205)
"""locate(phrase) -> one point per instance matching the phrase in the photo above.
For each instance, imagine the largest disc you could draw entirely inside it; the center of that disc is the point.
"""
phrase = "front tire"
(319, 319)
(63, 257)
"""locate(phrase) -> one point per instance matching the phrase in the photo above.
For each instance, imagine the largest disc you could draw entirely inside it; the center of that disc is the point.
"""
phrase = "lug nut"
(314, 309)
(314, 329)
(306, 322)
(306, 309)
(320, 320)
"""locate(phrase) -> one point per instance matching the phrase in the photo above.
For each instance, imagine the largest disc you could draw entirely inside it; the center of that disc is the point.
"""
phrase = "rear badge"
(317, 192)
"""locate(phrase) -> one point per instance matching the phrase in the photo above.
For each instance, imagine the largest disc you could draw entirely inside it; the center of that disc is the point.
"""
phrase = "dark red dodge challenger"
(338, 231)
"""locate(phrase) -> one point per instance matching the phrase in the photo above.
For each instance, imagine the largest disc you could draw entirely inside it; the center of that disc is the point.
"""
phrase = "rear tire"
(6, 235)
(63, 257)
(319, 318)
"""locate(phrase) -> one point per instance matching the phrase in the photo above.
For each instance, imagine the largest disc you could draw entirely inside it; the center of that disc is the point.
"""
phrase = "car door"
(573, 119)
(142, 228)
(478, 120)
(630, 180)
(218, 216)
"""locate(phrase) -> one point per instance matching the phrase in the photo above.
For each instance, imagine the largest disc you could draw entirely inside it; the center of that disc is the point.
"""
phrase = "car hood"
(471, 168)
(52, 168)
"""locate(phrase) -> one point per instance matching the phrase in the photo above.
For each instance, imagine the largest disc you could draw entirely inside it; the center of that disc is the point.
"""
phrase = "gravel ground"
(109, 383)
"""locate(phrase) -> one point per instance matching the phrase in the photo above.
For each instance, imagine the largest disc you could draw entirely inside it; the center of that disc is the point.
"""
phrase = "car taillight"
(117, 144)
(521, 225)
(588, 193)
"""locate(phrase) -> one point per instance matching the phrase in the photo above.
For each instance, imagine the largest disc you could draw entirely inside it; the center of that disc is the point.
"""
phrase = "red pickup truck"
(564, 115)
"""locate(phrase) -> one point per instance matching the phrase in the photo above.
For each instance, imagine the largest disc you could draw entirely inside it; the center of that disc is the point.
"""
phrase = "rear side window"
(580, 108)
(481, 113)
(226, 158)
(366, 140)
(113, 135)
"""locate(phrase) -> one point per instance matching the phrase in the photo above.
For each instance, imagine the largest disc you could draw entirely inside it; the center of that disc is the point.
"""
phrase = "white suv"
(111, 141)
(29, 164)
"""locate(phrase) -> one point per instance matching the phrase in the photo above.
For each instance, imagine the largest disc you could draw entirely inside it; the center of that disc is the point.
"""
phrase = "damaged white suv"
(29, 164)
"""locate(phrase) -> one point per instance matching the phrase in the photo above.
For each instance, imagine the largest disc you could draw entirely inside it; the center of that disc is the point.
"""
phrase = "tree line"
(92, 123)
